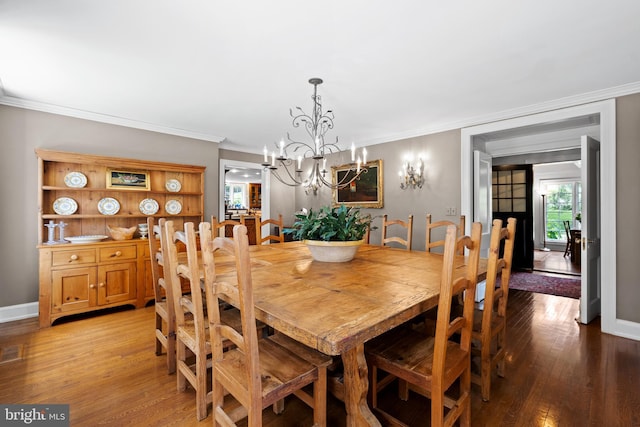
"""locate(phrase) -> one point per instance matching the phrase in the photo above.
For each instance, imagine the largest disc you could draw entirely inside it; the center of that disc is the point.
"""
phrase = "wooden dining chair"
(219, 228)
(430, 365)
(407, 225)
(431, 226)
(490, 322)
(257, 372)
(192, 337)
(271, 238)
(164, 310)
(567, 232)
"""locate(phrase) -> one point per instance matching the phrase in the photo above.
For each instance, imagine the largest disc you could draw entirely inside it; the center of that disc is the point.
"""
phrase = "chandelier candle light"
(291, 154)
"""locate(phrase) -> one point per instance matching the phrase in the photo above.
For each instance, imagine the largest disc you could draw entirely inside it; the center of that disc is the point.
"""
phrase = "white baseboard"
(18, 312)
(627, 329)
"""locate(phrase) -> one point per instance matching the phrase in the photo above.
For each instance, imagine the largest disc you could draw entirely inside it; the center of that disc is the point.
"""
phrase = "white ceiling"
(228, 71)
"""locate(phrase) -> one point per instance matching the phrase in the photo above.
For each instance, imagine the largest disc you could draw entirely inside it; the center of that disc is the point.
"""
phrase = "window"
(509, 189)
(563, 201)
(236, 195)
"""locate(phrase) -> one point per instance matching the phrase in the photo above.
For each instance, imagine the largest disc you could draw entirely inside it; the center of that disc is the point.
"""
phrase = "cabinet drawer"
(117, 253)
(73, 257)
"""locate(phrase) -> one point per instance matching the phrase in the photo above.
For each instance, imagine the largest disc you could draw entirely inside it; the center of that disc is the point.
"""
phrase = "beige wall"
(441, 156)
(282, 197)
(628, 206)
(21, 131)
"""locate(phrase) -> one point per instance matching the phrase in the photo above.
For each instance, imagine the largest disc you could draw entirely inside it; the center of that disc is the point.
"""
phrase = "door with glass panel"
(512, 196)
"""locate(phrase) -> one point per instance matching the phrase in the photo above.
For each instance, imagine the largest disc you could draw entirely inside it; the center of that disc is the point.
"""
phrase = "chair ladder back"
(507, 257)
(219, 228)
(408, 225)
(154, 252)
(238, 370)
(430, 243)
(170, 260)
(269, 237)
(165, 318)
(490, 332)
(445, 326)
(217, 294)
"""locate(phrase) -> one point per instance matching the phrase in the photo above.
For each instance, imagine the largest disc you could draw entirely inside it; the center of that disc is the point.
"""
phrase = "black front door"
(512, 196)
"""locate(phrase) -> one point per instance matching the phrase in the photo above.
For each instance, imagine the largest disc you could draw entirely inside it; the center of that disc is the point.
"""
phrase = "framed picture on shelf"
(364, 192)
(128, 180)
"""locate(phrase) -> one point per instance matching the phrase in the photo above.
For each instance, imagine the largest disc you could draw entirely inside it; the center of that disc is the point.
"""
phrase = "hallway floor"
(554, 262)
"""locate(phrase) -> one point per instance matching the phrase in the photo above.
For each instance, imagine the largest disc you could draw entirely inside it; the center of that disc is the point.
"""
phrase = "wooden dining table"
(336, 308)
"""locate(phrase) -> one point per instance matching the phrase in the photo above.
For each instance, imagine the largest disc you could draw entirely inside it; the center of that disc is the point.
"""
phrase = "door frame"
(265, 180)
(607, 112)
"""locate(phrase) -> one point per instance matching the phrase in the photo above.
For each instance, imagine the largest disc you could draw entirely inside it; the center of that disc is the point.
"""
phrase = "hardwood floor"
(559, 373)
(554, 262)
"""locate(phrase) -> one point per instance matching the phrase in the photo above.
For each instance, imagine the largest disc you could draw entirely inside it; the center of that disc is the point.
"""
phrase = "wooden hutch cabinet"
(255, 196)
(87, 193)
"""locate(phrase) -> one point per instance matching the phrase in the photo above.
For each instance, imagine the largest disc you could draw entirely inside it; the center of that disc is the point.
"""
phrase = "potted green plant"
(331, 234)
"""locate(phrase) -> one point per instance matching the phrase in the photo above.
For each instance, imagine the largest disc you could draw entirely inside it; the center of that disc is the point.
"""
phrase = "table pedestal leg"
(356, 385)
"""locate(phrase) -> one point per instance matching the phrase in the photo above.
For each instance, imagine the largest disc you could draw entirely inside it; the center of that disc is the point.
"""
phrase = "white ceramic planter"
(333, 251)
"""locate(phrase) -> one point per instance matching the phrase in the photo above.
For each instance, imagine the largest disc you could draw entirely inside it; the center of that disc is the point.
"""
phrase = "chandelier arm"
(295, 183)
(344, 182)
(286, 168)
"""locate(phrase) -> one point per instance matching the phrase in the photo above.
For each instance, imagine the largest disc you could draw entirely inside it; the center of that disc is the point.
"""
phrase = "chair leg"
(373, 386)
(159, 346)
(500, 365)
(181, 356)
(465, 398)
(201, 390)
(278, 407)
(485, 372)
(403, 389)
(171, 352)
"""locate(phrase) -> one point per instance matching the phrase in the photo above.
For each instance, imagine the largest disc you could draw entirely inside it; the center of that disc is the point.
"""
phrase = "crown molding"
(570, 101)
(103, 118)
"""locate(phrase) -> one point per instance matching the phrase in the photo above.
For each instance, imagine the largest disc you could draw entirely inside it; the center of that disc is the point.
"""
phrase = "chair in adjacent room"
(490, 323)
(430, 365)
(271, 238)
(165, 314)
(567, 231)
(430, 243)
(258, 372)
(396, 223)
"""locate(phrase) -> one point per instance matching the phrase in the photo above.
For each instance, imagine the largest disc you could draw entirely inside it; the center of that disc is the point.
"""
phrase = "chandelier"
(286, 166)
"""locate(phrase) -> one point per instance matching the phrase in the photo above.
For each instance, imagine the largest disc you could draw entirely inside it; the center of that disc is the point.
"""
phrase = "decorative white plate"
(173, 185)
(108, 206)
(149, 206)
(86, 239)
(173, 207)
(65, 206)
(75, 180)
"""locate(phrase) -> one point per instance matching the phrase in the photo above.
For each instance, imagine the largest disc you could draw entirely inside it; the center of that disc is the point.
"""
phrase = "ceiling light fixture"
(292, 153)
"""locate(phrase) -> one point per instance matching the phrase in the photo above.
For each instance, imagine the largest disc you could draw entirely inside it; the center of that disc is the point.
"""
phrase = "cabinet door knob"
(101, 284)
(92, 286)
(73, 257)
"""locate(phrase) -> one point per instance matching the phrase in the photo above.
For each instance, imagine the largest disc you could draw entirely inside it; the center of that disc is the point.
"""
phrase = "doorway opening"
(557, 125)
(244, 190)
